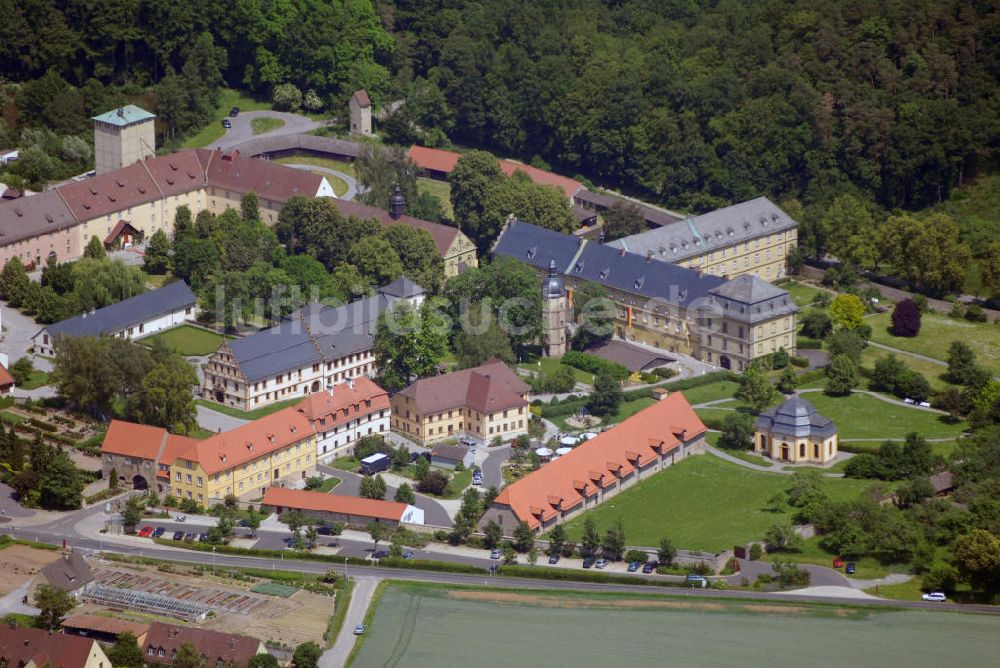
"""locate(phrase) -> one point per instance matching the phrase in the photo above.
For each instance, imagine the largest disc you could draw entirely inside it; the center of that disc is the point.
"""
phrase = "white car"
(936, 596)
(359, 629)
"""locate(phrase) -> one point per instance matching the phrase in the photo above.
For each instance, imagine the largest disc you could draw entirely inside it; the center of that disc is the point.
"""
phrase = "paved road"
(242, 130)
(492, 465)
(434, 513)
(16, 337)
(186, 556)
(215, 421)
(361, 598)
(9, 507)
(352, 184)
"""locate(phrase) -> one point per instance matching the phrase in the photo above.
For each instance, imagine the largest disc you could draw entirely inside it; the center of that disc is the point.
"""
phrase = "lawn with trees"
(710, 504)
(936, 330)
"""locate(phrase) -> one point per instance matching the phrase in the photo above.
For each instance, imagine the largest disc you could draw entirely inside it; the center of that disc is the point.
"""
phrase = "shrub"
(664, 372)
(957, 310)
(595, 365)
(636, 555)
(434, 482)
(975, 313)
(905, 319)
(756, 552)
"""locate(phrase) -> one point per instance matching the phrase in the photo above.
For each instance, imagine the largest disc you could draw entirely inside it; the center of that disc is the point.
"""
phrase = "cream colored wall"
(764, 256)
(292, 460)
(64, 243)
(218, 200)
(461, 250)
(116, 147)
(770, 446)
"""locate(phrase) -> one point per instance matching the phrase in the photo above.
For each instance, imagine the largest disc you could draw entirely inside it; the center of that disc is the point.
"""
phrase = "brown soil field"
(20, 563)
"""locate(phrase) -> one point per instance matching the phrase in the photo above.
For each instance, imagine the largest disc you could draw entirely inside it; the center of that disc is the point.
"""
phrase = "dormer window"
(531, 252)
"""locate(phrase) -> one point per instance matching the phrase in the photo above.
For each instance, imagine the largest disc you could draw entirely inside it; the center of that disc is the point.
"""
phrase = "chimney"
(649, 256)
(350, 383)
(397, 206)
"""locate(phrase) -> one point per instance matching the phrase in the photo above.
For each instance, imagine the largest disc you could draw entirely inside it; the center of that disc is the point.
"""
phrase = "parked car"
(158, 531)
(226, 123)
(633, 566)
(234, 112)
(649, 567)
(601, 563)
(359, 629)
(202, 537)
(694, 580)
(851, 568)
(414, 456)
(588, 562)
(190, 536)
(477, 479)
(243, 523)
(407, 555)
(178, 535)
(838, 562)
(324, 530)
(936, 596)
(495, 553)
(146, 532)
(553, 559)
(381, 554)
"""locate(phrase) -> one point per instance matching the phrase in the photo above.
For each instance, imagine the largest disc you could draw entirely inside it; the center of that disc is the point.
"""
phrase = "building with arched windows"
(796, 432)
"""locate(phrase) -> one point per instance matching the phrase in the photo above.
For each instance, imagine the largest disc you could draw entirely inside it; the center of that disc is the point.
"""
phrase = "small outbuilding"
(796, 432)
(448, 456)
(350, 510)
(361, 113)
(71, 573)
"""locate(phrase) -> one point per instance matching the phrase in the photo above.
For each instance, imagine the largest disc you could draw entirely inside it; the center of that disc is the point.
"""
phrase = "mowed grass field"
(864, 416)
(419, 625)
(936, 334)
(188, 340)
(701, 503)
(934, 373)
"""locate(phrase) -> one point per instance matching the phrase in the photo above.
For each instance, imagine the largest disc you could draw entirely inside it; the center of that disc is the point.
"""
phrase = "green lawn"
(701, 503)
(456, 487)
(812, 553)
(936, 334)
(864, 416)
(626, 410)
(188, 340)
(420, 625)
(934, 373)
(347, 463)
(723, 389)
(36, 380)
(155, 281)
(439, 189)
(228, 99)
(248, 415)
(13, 418)
(548, 365)
(265, 124)
(801, 293)
(328, 484)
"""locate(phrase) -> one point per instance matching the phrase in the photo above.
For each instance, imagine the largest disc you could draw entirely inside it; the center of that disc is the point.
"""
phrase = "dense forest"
(692, 103)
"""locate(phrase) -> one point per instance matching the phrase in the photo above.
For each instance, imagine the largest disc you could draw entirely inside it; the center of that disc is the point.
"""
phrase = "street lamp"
(213, 560)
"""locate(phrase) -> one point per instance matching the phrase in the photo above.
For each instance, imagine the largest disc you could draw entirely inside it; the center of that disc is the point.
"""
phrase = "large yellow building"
(726, 322)
(482, 403)
(279, 449)
(753, 237)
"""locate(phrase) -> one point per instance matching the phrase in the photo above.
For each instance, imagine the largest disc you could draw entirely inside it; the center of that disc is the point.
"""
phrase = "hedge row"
(544, 573)
(594, 364)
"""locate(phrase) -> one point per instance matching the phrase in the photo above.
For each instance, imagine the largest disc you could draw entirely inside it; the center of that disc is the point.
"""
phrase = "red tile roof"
(217, 648)
(443, 235)
(29, 217)
(342, 403)
(6, 380)
(488, 388)
(175, 444)
(333, 503)
(438, 160)
(129, 439)
(271, 181)
(110, 193)
(20, 645)
(102, 624)
(594, 464)
(249, 441)
(176, 173)
(361, 96)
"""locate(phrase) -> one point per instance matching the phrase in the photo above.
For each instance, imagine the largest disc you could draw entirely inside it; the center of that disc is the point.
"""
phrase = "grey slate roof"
(116, 317)
(312, 334)
(796, 417)
(455, 453)
(403, 287)
(579, 258)
(748, 289)
(274, 350)
(70, 573)
(632, 357)
(715, 229)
